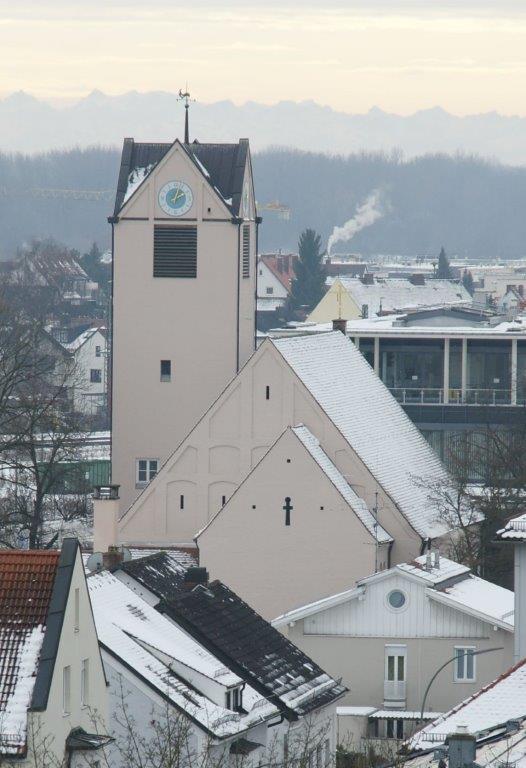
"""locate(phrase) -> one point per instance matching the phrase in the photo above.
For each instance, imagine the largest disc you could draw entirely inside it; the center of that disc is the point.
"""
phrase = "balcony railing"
(430, 396)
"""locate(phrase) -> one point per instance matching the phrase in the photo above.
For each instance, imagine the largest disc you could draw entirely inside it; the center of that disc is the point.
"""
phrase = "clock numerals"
(176, 198)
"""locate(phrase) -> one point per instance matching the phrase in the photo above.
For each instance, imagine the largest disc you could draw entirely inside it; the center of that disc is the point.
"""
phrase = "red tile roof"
(26, 584)
(281, 266)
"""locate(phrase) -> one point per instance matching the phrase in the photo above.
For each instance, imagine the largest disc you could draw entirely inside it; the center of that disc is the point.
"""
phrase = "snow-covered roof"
(436, 573)
(501, 700)
(82, 338)
(168, 659)
(390, 294)
(371, 421)
(450, 583)
(514, 530)
(501, 749)
(358, 505)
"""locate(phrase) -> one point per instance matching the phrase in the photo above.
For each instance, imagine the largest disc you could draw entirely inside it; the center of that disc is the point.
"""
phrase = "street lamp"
(449, 661)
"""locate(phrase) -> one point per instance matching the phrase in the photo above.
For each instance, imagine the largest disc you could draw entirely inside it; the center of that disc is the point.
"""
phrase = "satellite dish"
(126, 555)
(95, 562)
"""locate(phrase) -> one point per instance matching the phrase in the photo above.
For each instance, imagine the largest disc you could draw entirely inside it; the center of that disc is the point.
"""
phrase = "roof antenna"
(186, 98)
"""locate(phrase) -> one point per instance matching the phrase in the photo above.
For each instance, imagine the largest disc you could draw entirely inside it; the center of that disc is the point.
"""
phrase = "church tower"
(184, 234)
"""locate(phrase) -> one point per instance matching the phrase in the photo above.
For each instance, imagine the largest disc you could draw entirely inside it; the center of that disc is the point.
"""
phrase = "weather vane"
(186, 98)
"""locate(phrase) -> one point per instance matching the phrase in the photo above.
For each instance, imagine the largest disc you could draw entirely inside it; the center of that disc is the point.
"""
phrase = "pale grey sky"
(467, 56)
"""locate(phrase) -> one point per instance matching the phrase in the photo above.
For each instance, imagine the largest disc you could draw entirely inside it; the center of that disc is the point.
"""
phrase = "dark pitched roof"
(250, 646)
(162, 572)
(54, 621)
(225, 164)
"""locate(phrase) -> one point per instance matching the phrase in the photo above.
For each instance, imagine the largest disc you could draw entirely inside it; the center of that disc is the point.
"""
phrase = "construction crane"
(283, 211)
(60, 194)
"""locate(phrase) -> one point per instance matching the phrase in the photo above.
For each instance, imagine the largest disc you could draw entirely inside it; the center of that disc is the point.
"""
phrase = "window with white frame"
(145, 470)
(66, 690)
(465, 659)
(98, 351)
(234, 699)
(84, 682)
(395, 663)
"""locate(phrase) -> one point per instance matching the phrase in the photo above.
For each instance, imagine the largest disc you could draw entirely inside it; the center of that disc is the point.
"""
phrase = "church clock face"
(176, 198)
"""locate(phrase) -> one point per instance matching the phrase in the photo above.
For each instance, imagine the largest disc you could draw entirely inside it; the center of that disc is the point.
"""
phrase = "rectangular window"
(270, 290)
(246, 251)
(66, 690)
(181, 501)
(389, 730)
(464, 665)
(95, 375)
(98, 352)
(267, 393)
(166, 370)
(174, 251)
(146, 469)
(395, 658)
(77, 609)
(84, 683)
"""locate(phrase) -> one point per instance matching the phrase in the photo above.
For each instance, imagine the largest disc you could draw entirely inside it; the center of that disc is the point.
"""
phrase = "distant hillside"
(30, 125)
(472, 207)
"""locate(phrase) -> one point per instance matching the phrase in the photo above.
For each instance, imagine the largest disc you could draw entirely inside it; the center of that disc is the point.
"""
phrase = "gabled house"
(89, 379)
(197, 656)
(369, 296)
(52, 684)
(274, 279)
(291, 505)
(387, 636)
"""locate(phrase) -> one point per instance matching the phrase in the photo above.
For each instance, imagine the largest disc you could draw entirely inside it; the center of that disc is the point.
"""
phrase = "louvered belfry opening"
(174, 251)
(246, 251)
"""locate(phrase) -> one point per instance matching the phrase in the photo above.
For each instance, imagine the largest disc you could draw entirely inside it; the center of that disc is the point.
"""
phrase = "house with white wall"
(387, 636)
(166, 667)
(52, 683)
(90, 377)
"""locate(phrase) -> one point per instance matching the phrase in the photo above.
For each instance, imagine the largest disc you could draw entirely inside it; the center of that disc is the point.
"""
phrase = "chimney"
(462, 748)
(105, 517)
(195, 576)
(429, 560)
(436, 563)
(112, 558)
(340, 325)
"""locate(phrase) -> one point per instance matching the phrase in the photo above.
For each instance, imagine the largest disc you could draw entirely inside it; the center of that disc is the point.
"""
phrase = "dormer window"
(234, 699)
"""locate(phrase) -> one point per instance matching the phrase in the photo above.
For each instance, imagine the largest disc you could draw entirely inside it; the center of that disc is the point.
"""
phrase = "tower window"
(174, 251)
(181, 502)
(166, 370)
(246, 251)
(223, 501)
(267, 393)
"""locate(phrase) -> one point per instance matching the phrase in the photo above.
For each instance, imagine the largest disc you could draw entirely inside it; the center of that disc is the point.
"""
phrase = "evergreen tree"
(467, 282)
(96, 269)
(444, 270)
(308, 285)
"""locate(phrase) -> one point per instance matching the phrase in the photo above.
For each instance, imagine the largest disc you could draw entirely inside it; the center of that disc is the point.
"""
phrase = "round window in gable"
(396, 599)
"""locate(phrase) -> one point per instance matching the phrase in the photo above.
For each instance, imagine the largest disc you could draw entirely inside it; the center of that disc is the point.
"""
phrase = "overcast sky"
(466, 56)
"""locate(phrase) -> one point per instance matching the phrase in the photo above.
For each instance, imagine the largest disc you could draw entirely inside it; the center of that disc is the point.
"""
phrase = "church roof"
(369, 418)
(223, 165)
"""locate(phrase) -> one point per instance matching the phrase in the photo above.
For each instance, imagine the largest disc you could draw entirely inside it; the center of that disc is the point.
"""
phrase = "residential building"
(175, 646)
(367, 448)
(345, 267)
(386, 637)
(90, 374)
(274, 279)
(350, 298)
(52, 681)
(184, 261)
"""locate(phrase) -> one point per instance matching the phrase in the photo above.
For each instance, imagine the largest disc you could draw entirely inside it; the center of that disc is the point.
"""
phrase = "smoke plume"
(366, 214)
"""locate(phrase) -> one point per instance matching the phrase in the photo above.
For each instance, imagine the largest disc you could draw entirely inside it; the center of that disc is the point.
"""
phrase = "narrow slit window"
(181, 502)
(223, 501)
(166, 370)
(267, 393)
